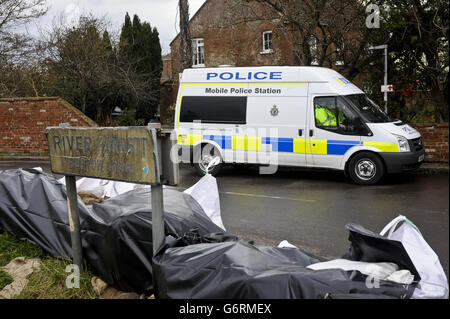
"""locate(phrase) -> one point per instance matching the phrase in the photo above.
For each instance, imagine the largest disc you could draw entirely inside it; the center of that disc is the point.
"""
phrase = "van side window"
(212, 109)
(325, 112)
(349, 122)
(334, 114)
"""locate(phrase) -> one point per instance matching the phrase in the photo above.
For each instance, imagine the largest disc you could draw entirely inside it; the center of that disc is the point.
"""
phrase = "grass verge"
(49, 282)
(5, 279)
(12, 247)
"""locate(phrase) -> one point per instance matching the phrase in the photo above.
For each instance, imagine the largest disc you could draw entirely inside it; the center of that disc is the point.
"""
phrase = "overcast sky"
(161, 14)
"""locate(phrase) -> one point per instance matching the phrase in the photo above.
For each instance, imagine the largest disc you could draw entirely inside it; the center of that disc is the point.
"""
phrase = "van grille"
(417, 144)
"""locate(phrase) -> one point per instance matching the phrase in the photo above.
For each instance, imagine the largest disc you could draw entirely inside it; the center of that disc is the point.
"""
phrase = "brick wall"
(435, 138)
(23, 121)
(167, 68)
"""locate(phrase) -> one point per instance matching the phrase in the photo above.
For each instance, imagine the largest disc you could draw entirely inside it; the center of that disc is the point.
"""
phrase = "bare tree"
(14, 13)
(333, 33)
(186, 44)
(17, 12)
(321, 32)
(18, 51)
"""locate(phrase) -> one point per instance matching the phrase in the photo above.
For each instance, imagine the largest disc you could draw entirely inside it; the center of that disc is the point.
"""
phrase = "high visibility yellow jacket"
(326, 117)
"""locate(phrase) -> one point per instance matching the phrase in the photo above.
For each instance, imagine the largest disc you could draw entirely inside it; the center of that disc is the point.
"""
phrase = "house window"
(313, 50)
(198, 53)
(267, 42)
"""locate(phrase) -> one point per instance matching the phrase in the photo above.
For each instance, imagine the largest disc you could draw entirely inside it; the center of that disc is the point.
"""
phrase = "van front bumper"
(401, 162)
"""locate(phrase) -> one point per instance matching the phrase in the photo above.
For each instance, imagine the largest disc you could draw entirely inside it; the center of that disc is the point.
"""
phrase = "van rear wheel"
(366, 169)
(207, 159)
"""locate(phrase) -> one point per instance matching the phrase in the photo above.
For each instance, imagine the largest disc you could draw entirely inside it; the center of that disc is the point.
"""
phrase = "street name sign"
(129, 154)
(122, 154)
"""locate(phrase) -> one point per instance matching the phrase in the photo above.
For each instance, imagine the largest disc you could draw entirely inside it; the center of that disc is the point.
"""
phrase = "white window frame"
(270, 50)
(197, 43)
(313, 49)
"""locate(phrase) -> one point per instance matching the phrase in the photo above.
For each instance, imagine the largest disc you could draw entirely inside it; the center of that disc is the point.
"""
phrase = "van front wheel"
(366, 169)
(207, 159)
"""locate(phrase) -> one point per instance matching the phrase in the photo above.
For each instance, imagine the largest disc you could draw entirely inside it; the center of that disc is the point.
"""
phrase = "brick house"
(215, 43)
(246, 44)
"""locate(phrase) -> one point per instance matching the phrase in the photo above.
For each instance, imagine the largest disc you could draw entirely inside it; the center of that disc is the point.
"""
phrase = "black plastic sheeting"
(368, 246)
(238, 269)
(198, 260)
(116, 234)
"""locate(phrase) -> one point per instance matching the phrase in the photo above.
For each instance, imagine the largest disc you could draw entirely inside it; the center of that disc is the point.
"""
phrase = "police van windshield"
(368, 109)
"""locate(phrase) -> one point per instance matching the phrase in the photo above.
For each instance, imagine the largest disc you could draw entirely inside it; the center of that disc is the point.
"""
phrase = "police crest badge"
(274, 111)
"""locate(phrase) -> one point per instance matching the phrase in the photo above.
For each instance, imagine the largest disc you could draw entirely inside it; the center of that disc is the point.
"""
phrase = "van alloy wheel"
(366, 169)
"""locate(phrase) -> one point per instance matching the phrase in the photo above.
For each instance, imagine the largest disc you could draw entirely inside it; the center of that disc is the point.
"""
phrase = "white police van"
(289, 116)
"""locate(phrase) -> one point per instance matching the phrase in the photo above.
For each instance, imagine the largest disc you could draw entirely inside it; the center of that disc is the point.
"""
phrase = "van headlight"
(403, 144)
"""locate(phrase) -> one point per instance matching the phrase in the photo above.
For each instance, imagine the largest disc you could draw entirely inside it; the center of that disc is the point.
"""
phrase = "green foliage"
(86, 69)
(140, 46)
(170, 114)
(417, 36)
(107, 45)
(128, 118)
(79, 67)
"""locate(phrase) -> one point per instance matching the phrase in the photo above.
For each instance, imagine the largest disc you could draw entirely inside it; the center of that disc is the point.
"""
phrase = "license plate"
(421, 157)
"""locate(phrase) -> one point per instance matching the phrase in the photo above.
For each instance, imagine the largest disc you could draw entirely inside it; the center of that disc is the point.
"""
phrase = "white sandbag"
(206, 194)
(382, 271)
(402, 277)
(104, 188)
(433, 283)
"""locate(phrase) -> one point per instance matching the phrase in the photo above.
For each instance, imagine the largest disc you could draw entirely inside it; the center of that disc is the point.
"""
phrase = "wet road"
(311, 208)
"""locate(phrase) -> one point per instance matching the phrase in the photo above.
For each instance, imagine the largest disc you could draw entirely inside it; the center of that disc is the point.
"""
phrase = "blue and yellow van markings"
(338, 147)
(283, 144)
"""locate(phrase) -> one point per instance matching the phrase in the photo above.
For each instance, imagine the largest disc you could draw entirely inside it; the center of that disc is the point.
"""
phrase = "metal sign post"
(157, 216)
(129, 154)
(157, 193)
(74, 220)
(385, 48)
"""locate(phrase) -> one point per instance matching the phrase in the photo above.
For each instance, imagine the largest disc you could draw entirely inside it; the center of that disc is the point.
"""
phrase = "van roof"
(264, 74)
